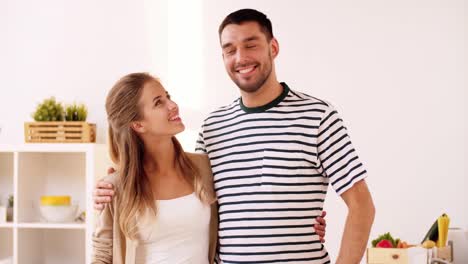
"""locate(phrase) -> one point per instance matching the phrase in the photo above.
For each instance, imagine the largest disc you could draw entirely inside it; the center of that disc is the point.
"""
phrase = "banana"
(443, 224)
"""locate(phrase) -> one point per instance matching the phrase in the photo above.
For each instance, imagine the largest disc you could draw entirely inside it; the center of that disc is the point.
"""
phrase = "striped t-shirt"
(272, 166)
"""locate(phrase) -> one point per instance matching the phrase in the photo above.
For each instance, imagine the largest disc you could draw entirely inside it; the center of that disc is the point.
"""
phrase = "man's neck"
(269, 91)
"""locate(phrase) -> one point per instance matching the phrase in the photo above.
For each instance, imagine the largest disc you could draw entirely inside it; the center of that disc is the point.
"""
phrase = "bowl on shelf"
(57, 209)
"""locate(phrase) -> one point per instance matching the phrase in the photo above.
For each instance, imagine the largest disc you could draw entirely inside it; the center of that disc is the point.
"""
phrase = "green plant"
(76, 112)
(49, 110)
(10, 201)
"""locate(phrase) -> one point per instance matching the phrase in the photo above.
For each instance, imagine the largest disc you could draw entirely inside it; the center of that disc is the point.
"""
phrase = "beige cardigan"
(111, 246)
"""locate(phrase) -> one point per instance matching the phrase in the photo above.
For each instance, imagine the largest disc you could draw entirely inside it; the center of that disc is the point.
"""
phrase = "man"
(273, 152)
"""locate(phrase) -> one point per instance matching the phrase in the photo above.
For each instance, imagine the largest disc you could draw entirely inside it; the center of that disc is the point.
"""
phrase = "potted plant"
(76, 112)
(10, 209)
(58, 124)
(49, 110)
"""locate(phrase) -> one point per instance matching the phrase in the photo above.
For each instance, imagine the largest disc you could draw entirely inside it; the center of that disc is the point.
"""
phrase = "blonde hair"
(134, 194)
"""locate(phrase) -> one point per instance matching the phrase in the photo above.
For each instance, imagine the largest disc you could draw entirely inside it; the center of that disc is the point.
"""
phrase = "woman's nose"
(172, 105)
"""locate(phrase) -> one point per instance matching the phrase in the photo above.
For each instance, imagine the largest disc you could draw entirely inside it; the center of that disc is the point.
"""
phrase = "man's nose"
(241, 56)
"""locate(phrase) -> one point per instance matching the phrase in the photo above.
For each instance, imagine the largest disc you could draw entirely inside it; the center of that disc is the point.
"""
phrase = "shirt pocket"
(283, 169)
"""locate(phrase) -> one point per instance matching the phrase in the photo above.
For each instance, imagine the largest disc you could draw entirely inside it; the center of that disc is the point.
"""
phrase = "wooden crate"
(59, 132)
(404, 256)
(387, 256)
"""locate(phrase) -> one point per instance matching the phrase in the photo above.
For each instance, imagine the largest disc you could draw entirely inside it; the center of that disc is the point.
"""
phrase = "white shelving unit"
(29, 171)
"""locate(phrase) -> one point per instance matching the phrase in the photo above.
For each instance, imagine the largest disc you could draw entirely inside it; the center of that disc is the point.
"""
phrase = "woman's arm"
(103, 235)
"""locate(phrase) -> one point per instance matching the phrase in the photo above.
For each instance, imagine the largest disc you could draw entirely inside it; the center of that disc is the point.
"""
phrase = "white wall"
(394, 69)
(75, 51)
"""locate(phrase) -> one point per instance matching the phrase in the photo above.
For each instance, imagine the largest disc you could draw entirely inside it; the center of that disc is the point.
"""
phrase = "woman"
(164, 210)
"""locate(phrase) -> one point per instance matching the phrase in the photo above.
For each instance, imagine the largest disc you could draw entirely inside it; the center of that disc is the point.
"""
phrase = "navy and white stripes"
(272, 168)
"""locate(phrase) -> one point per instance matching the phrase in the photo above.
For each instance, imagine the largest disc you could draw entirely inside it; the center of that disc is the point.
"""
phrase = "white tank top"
(179, 235)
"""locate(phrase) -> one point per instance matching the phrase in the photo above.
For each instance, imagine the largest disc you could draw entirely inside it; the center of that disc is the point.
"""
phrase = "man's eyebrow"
(227, 45)
(251, 38)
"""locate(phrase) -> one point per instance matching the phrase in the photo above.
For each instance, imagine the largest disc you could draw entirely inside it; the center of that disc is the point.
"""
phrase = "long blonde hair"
(134, 194)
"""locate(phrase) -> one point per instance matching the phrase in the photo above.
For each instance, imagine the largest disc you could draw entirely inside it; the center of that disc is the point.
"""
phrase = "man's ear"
(274, 47)
(138, 127)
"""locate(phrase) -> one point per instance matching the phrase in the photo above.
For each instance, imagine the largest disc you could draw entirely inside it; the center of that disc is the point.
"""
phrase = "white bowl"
(58, 213)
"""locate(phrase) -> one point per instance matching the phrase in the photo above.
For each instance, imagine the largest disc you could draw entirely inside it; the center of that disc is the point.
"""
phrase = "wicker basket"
(59, 132)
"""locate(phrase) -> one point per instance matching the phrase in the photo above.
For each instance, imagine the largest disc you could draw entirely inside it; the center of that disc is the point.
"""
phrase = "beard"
(251, 86)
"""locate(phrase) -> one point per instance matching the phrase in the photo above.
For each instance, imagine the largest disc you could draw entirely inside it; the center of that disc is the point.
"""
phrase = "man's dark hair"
(248, 15)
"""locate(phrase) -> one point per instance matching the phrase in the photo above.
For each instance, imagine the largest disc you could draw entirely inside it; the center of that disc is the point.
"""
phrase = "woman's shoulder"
(201, 160)
(198, 157)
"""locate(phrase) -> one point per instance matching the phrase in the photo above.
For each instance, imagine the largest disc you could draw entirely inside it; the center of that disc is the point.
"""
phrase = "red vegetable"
(384, 243)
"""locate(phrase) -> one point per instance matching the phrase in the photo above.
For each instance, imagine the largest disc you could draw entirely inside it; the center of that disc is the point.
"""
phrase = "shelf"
(6, 177)
(51, 246)
(6, 243)
(44, 225)
(7, 225)
(52, 225)
(29, 171)
(57, 173)
(48, 147)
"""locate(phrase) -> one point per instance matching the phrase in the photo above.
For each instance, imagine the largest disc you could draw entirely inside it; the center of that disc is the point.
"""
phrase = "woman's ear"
(138, 127)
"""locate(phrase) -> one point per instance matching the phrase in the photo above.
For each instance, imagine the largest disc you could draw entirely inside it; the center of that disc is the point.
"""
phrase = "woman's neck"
(159, 156)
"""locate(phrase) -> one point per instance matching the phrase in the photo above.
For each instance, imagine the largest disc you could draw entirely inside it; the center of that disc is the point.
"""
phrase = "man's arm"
(361, 212)
(103, 192)
(346, 174)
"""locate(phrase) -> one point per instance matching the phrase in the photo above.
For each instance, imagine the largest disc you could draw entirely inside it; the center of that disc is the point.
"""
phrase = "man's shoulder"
(300, 98)
(224, 110)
